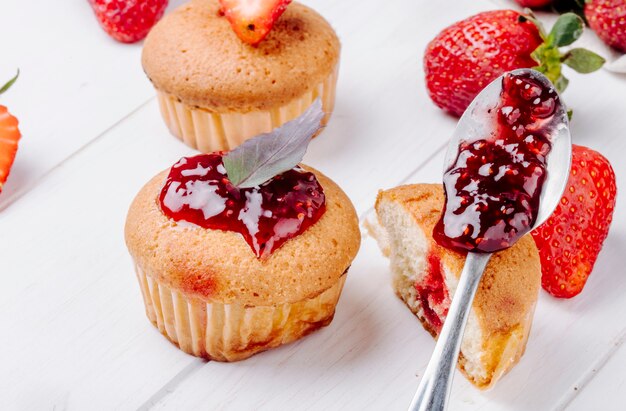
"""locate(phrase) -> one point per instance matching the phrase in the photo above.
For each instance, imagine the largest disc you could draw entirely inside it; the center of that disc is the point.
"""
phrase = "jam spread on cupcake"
(493, 188)
(197, 190)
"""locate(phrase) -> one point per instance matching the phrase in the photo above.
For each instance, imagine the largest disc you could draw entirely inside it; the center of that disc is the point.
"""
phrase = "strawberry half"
(9, 136)
(252, 20)
(571, 239)
(468, 55)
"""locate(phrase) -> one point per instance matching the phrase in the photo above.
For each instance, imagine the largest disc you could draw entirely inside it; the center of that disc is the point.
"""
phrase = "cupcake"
(229, 270)
(215, 89)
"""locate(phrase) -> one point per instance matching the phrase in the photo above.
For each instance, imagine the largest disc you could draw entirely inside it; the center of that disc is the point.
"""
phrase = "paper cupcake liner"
(209, 131)
(232, 332)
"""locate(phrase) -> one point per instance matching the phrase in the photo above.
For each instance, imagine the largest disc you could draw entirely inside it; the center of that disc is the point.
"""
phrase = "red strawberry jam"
(197, 190)
(433, 295)
(493, 188)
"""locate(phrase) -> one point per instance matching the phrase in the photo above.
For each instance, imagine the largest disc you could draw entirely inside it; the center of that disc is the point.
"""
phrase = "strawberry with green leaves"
(571, 239)
(9, 137)
(252, 20)
(468, 55)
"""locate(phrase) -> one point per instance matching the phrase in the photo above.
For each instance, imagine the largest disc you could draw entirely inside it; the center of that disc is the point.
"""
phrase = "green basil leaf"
(259, 159)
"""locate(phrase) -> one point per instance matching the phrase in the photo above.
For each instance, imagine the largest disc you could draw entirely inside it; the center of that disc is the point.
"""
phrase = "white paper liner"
(232, 332)
(209, 131)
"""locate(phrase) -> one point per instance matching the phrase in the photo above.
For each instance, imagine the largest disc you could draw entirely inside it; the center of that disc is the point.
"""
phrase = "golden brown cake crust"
(501, 301)
(194, 54)
(219, 265)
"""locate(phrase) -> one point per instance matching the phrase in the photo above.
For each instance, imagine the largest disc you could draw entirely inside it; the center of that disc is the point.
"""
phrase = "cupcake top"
(220, 265)
(194, 54)
(198, 190)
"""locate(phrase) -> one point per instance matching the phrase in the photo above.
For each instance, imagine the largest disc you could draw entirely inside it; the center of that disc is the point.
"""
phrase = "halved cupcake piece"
(425, 277)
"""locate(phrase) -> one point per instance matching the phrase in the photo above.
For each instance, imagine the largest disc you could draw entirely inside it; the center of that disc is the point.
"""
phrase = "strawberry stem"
(9, 83)
(567, 29)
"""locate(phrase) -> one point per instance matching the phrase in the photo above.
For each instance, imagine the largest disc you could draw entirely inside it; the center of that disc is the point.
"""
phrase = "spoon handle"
(434, 389)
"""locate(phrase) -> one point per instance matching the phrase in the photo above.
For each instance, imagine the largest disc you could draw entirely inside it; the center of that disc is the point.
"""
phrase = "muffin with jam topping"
(225, 71)
(230, 268)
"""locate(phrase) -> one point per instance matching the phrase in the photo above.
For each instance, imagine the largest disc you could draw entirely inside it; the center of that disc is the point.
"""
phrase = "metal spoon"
(434, 389)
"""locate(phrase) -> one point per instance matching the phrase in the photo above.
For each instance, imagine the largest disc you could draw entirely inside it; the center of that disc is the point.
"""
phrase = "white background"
(73, 334)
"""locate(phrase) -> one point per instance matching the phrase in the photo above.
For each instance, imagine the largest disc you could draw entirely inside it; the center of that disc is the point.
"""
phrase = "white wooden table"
(73, 333)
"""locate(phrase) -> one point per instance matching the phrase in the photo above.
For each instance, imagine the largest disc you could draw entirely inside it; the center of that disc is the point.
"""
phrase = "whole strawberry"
(570, 240)
(468, 55)
(535, 4)
(9, 137)
(128, 21)
(608, 19)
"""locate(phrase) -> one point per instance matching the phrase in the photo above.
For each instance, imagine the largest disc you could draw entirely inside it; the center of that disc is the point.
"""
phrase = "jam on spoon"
(493, 187)
(197, 190)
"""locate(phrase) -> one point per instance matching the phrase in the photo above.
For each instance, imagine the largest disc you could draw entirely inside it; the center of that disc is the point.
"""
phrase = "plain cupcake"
(215, 91)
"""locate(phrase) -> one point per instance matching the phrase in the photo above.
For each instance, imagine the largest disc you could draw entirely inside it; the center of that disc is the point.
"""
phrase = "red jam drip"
(197, 190)
(493, 188)
(432, 293)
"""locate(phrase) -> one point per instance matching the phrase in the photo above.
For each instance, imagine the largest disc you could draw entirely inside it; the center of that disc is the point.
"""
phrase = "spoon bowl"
(475, 123)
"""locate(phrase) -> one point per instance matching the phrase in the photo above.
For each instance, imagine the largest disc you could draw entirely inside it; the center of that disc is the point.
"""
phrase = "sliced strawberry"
(569, 242)
(252, 20)
(9, 136)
